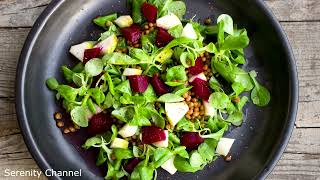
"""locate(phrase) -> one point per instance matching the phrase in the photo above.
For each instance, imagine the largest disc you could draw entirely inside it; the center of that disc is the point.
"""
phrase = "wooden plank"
(20, 13)
(295, 10)
(23, 13)
(297, 166)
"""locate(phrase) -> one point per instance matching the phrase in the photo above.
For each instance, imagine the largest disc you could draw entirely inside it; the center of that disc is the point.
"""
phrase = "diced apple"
(200, 76)
(78, 50)
(209, 110)
(169, 166)
(128, 131)
(224, 146)
(176, 111)
(164, 55)
(164, 143)
(168, 21)
(119, 143)
(124, 21)
(132, 72)
(189, 32)
(108, 45)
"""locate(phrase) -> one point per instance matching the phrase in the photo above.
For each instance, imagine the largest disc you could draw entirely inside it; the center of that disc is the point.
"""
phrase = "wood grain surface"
(299, 18)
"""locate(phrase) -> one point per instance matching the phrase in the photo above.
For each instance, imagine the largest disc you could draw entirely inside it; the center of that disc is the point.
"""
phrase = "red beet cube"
(132, 33)
(163, 37)
(149, 11)
(158, 85)
(191, 140)
(152, 134)
(139, 83)
(131, 164)
(197, 68)
(90, 54)
(99, 123)
(201, 88)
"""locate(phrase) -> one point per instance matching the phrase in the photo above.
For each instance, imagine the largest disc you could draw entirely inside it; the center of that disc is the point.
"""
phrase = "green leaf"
(215, 85)
(78, 68)
(94, 67)
(52, 83)
(237, 88)
(178, 41)
(139, 54)
(235, 118)
(185, 125)
(124, 87)
(243, 101)
(119, 59)
(228, 23)
(215, 124)
(260, 95)
(136, 11)
(108, 101)
(67, 92)
(176, 31)
(206, 151)
(181, 151)
(79, 115)
(211, 48)
(97, 95)
(161, 155)
(235, 42)
(122, 153)
(176, 73)
(182, 91)
(102, 157)
(174, 138)
(91, 106)
(178, 8)
(170, 98)
(183, 165)
(102, 20)
(219, 100)
(124, 114)
(92, 142)
(67, 73)
(149, 94)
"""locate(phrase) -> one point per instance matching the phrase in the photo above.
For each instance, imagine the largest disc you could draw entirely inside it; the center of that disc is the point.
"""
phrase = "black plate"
(261, 139)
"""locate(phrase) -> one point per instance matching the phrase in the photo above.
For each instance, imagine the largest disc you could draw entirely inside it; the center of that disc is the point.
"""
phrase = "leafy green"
(136, 11)
(67, 92)
(260, 95)
(94, 67)
(161, 155)
(178, 8)
(219, 100)
(119, 59)
(176, 73)
(183, 165)
(228, 23)
(176, 31)
(102, 20)
(67, 73)
(170, 98)
(79, 115)
(52, 83)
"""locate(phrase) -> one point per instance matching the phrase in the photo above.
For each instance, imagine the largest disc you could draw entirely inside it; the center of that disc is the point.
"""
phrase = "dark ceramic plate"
(261, 139)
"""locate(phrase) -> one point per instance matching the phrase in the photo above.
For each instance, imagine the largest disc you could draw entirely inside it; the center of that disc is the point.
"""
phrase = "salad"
(157, 90)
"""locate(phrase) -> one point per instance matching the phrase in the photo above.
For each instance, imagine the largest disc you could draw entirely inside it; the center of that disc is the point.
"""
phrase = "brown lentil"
(113, 157)
(196, 109)
(236, 99)
(194, 100)
(207, 21)
(151, 29)
(57, 116)
(150, 24)
(188, 98)
(66, 131)
(60, 124)
(204, 59)
(147, 31)
(191, 104)
(205, 67)
(228, 158)
(72, 129)
(146, 26)
(185, 95)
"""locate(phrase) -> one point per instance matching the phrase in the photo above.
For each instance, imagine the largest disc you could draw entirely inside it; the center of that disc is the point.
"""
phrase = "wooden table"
(299, 18)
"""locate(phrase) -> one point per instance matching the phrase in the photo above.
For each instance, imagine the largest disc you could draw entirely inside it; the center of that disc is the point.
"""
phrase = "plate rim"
(55, 4)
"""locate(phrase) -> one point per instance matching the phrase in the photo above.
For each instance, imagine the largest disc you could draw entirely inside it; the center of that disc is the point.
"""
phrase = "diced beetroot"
(149, 11)
(132, 33)
(99, 123)
(152, 134)
(197, 68)
(191, 140)
(158, 85)
(163, 37)
(131, 164)
(201, 88)
(90, 54)
(139, 83)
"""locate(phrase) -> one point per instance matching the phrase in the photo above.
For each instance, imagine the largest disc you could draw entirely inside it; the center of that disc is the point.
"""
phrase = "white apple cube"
(128, 131)
(224, 146)
(132, 72)
(124, 21)
(78, 50)
(169, 166)
(108, 45)
(176, 111)
(168, 21)
(119, 143)
(209, 110)
(189, 32)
